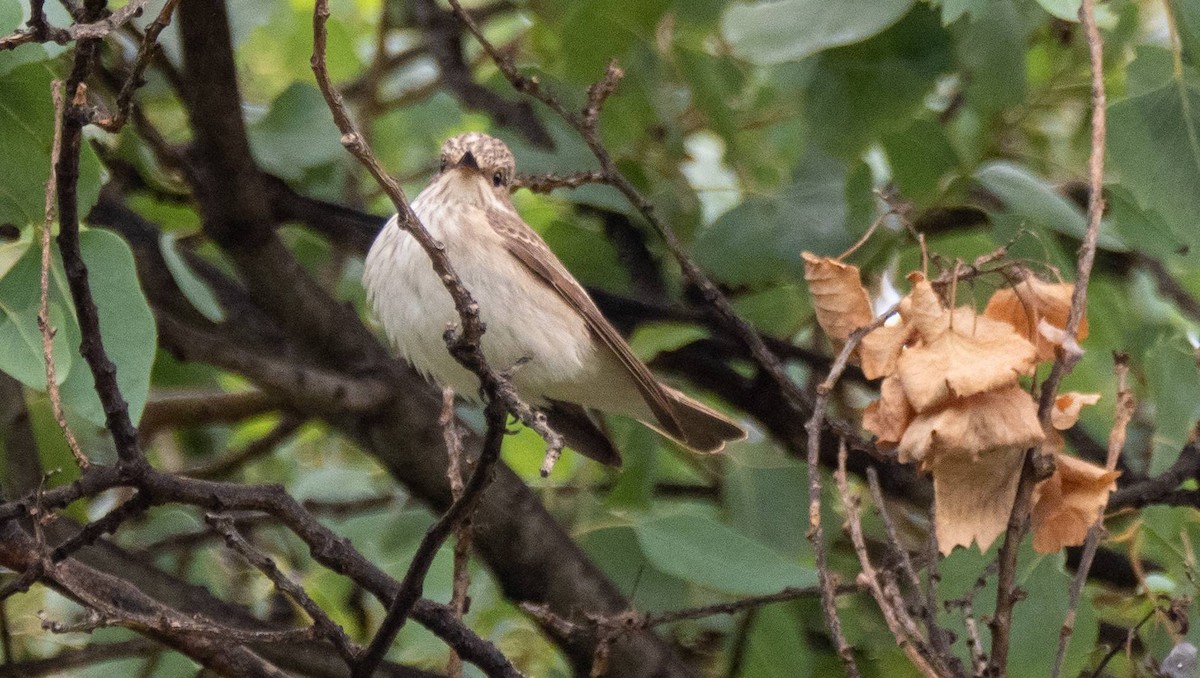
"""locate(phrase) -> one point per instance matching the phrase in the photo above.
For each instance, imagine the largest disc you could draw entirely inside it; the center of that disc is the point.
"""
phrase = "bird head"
(475, 156)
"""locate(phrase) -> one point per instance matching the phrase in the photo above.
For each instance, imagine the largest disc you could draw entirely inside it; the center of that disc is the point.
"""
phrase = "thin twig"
(938, 639)
(42, 31)
(1067, 355)
(325, 626)
(895, 613)
(966, 604)
(1125, 406)
(1129, 636)
(226, 465)
(544, 183)
(790, 593)
(196, 625)
(815, 532)
(462, 534)
(412, 584)
(106, 524)
(43, 317)
(145, 55)
(104, 371)
(628, 621)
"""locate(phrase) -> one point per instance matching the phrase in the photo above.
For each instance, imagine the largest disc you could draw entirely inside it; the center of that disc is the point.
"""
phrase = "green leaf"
(20, 296)
(1154, 144)
(126, 326)
(1143, 229)
(701, 550)
(22, 358)
(11, 253)
(1031, 198)
(953, 10)
(597, 31)
(26, 136)
(777, 647)
(297, 134)
(789, 30)
(760, 240)
(862, 91)
(650, 339)
(1186, 14)
(640, 448)
(762, 501)
(921, 158)
(1152, 67)
(992, 49)
(1047, 585)
(196, 290)
(616, 551)
(779, 311)
(1067, 10)
(1172, 379)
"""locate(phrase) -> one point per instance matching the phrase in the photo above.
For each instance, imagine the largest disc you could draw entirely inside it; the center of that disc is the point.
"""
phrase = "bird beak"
(468, 161)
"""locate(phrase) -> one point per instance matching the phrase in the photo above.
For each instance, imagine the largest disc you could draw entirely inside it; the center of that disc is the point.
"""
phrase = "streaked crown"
(490, 155)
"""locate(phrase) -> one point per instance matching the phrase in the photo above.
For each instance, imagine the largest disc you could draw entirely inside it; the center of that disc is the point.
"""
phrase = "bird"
(567, 358)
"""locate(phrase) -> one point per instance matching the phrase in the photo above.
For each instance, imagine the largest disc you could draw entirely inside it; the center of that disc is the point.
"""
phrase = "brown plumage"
(535, 311)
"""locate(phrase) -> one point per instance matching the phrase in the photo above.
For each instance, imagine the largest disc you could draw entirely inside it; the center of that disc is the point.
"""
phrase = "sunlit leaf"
(26, 137)
(20, 293)
(787, 30)
(1154, 141)
(195, 289)
(126, 326)
(701, 550)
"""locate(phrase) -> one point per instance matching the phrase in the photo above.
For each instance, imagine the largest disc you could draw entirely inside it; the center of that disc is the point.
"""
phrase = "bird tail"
(702, 428)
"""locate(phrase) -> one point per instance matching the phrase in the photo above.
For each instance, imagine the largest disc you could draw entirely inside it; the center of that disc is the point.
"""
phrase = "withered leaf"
(880, 349)
(839, 299)
(1030, 301)
(889, 416)
(975, 497)
(1069, 502)
(971, 355)
(1067, 407)
(972, 427)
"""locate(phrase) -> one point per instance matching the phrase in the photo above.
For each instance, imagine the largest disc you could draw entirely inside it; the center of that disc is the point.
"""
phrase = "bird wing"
(529, 248)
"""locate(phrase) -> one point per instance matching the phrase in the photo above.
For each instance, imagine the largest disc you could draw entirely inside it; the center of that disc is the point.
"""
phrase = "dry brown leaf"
(972, 427)
(880, 349)
(1030, 301)
(972, 355)
(889, 416)
(1067, 407)
(975, 496)
(1069, 502)
(840, 301)
(923, 309)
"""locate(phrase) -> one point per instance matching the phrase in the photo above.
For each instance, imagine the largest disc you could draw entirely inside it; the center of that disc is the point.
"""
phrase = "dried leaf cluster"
(951, 400)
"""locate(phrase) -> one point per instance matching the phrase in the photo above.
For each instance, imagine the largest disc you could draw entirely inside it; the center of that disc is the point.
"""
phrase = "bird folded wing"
(529, 248)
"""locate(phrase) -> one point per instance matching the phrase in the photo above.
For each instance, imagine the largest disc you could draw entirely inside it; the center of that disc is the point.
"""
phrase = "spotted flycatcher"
(537, 315)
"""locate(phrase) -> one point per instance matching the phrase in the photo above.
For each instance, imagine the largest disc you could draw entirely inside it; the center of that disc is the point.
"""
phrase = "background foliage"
(758, 130)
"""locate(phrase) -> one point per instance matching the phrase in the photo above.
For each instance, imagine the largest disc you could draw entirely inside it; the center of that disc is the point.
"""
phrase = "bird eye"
(498, 179)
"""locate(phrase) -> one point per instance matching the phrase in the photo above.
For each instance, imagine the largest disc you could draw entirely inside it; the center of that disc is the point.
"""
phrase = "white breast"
(524, 318)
